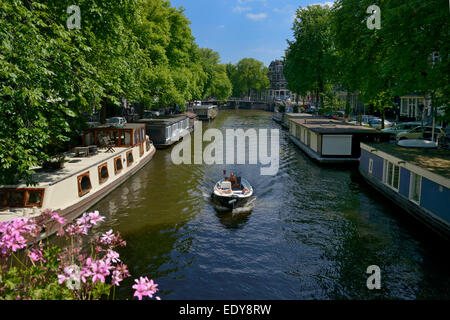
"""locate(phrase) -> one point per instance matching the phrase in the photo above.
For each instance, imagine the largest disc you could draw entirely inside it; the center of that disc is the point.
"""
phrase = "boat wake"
(247, 208)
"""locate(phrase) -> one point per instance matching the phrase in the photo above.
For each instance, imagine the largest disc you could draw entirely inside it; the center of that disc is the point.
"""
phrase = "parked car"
(116, 121)
(421, 132)
(402, 127)
(376, 122)
(335, 114)
(150, 114)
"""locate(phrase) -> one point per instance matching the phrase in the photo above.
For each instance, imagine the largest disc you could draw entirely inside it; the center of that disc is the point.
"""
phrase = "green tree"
(249, 74)
(310, 57)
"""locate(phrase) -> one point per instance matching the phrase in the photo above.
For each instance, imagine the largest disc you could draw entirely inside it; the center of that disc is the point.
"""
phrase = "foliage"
(247, 75)
(87, 268)
(140, 50)
(310, 58)
(409, 54)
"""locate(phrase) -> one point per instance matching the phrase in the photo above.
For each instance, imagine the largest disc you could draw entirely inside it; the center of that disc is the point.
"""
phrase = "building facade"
(278, 84)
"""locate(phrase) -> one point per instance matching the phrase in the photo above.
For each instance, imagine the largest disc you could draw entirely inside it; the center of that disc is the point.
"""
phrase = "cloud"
(323, 4)
(240, 9)
(256, 16)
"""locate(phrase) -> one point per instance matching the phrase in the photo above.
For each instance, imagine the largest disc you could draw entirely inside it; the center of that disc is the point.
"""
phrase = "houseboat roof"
(323, 125)
(164, 120)
(299, 115)
(126, 126)
(73, 166)
(204, 107)
(191, 115)
(433, 160)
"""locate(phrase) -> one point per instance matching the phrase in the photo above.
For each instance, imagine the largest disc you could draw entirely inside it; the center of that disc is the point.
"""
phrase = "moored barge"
(109, 156)
(166, 130)
(206, 112)
(417, 180)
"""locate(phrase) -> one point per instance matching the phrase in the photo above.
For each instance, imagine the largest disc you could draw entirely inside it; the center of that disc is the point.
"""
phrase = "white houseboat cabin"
(109, 156)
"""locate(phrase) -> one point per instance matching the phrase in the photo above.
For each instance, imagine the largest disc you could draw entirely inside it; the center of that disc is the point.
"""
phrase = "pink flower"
(100, 269)
(56, 217)
(62, 278)
(107, 238)
(96, 217)
(112, 256)
(35, 255)
(144, 287)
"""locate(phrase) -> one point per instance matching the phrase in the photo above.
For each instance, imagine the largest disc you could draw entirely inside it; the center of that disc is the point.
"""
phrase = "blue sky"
(243, 28)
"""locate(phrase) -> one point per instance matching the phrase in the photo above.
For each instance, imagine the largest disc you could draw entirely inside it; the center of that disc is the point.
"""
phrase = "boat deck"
(72, 166)
(433, 160)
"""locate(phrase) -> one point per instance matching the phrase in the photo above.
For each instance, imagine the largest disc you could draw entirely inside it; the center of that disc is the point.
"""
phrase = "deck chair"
(107, 143)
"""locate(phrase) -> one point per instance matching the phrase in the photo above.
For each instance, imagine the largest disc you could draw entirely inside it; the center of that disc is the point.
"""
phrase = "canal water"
(312, 234)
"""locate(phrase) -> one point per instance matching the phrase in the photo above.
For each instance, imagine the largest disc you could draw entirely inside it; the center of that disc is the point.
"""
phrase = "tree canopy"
(407, 54)
(247, 75)
(140, 50)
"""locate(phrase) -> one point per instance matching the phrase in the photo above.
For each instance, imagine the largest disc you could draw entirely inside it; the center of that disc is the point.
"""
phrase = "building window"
(415, 188)
(391, 175)
(103, 174)
(118, 165)
(370, 166)
(84, 184)
(130, 157)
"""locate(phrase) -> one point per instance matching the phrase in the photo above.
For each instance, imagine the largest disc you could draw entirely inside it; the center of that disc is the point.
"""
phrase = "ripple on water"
(312, 233)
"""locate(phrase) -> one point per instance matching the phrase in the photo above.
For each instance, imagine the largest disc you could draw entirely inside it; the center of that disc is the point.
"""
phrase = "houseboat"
(166, 130)
(331, 141)
(417, 180)
(108, 157)
(290, 116)
(206, 112)
(192, 118)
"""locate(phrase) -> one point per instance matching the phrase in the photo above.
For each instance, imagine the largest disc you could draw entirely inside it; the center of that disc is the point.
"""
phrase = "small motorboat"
(232, 196)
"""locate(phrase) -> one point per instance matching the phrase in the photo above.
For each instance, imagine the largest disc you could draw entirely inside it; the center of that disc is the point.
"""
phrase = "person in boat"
(233, 180)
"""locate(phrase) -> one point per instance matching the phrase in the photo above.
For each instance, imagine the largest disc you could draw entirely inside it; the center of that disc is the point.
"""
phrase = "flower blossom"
(95, 217)
(144, 287)
(36, 255)
(55, 216)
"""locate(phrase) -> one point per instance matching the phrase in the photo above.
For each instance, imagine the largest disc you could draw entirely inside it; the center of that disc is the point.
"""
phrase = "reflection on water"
(311, 234)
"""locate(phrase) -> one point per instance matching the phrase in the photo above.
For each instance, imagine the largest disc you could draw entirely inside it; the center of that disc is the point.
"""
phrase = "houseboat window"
(130, 157)
(103, 173)
(415, 187)
(118, 164)
(391, 174)
(34, 198)
(84, 184)
(127, 139)
(174, 129)
(370, 166)
(2, 197)
(15, 198)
